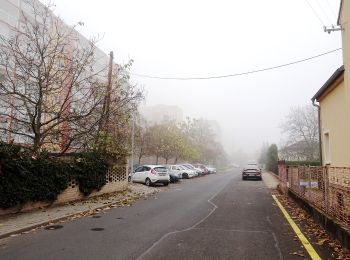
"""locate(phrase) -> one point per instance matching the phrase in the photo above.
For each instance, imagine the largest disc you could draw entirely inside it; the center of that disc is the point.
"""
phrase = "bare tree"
(301, 129)
(48, 89)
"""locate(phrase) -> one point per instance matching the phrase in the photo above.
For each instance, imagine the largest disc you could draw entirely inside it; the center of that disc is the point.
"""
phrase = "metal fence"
(327, 188)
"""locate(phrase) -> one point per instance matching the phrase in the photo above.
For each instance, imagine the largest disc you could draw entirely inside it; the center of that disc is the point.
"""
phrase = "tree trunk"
(175, 161)
(157, 159)
(140, 156)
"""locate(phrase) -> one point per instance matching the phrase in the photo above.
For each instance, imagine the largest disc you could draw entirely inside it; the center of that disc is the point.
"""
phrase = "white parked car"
(198, 170)
(187, 172)
(175, 170)
(151, 174)
(211, 169)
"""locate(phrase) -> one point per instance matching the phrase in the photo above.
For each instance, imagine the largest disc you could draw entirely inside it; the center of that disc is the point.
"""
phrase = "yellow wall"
(335, 119)
(335, 105)
(345, 24)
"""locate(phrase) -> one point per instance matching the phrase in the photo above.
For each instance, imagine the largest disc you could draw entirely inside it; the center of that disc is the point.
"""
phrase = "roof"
(328, 83)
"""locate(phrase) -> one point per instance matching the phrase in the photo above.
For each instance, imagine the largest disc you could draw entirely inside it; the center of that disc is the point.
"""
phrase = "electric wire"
(324, 12)
(235, 74)
(315, 13)
(330, 8)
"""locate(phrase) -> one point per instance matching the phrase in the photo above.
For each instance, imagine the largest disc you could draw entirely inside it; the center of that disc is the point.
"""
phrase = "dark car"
(251, 171)
(173, 177)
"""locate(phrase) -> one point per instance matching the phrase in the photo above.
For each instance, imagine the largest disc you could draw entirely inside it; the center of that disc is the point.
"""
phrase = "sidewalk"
(12, 225)
(270, 179)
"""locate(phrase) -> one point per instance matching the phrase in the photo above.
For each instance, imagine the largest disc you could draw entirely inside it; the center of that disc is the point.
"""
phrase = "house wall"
(345, 24)
(335, 111)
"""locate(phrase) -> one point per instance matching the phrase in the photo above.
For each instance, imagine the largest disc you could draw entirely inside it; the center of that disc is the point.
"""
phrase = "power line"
(318, 17)
(323, 10)
(235, 74)
(330, 8)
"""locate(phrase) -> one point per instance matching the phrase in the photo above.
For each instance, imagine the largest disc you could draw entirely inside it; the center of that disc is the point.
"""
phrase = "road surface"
(213, 217)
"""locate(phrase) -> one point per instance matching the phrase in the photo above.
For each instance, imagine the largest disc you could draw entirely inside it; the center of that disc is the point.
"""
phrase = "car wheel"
(243, 178)
(148, 182)
(129, 179)
(166, 183)
(184, 176)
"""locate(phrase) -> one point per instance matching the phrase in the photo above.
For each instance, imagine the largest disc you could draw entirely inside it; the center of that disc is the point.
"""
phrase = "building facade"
(12, 13)
(334, 102)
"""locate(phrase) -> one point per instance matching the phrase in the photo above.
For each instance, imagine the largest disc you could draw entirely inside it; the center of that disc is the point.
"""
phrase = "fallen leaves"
(314, 231)
(95, 205)
(299, 253)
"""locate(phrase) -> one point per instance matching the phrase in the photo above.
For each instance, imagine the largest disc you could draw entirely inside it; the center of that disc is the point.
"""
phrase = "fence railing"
(327, 188)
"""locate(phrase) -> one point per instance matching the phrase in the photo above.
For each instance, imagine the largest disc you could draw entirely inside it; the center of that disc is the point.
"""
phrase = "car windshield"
(252, 166)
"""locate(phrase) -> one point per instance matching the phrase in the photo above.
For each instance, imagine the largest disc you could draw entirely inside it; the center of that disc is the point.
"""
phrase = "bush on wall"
(23, 178)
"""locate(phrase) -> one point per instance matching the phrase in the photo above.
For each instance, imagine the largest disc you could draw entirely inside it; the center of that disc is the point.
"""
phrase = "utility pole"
(104, 122)
(109, 89)
(132, 146)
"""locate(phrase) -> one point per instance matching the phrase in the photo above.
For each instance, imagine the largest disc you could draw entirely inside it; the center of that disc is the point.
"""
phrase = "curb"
(46, 223)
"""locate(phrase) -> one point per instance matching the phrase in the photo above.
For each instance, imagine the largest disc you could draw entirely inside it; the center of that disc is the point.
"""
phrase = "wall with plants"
(31, 179)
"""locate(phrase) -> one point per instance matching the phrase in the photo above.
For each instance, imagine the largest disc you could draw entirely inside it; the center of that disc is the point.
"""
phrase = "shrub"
(272, 159)
(23, 178)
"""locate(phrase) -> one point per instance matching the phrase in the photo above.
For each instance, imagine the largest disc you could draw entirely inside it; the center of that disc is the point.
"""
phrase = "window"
(139, 169)
(327, 149)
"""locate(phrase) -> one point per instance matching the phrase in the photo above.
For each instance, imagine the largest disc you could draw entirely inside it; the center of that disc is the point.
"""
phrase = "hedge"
(24, 179)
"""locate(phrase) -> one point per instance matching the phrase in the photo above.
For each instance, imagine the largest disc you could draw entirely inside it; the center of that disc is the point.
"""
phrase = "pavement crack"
(277, 245)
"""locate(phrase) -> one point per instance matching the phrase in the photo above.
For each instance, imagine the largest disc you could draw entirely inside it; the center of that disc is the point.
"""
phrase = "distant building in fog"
(161, 113)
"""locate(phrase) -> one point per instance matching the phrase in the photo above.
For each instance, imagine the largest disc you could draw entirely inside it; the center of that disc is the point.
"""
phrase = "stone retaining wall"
(116, 180)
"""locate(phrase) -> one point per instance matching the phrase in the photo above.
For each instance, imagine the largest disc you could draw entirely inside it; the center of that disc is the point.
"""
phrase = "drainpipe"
(319, 127)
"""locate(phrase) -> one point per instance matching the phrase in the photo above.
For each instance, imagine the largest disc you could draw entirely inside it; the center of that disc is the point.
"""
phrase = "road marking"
(186, 229)
(313, 254)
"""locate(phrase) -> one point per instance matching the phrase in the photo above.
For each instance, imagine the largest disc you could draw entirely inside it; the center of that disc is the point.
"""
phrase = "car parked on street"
(135, 166)
(174, 177)
(198, 170)
(183, 171)
(211, 169)
(202, 167)
(151, 174)
(190, 170)
(174, 170)
(251, 171)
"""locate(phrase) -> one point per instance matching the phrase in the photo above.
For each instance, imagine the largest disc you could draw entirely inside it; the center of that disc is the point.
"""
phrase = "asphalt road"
(212, 217)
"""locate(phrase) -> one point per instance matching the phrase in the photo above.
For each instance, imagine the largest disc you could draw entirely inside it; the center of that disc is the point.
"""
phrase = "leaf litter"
(313, 230)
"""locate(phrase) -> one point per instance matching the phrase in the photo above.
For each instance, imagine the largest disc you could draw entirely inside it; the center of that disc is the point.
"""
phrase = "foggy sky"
(208, 38)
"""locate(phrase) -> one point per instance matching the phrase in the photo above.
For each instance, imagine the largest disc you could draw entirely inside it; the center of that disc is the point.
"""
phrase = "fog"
(211, 38)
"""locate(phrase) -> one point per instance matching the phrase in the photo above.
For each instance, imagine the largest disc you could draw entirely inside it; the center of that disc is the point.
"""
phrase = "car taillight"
(153, 171)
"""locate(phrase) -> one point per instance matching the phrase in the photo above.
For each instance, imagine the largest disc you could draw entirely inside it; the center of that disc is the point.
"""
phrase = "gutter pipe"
(319, 128)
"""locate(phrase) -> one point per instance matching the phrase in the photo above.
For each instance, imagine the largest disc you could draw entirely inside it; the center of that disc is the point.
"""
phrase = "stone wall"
(116, 180)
